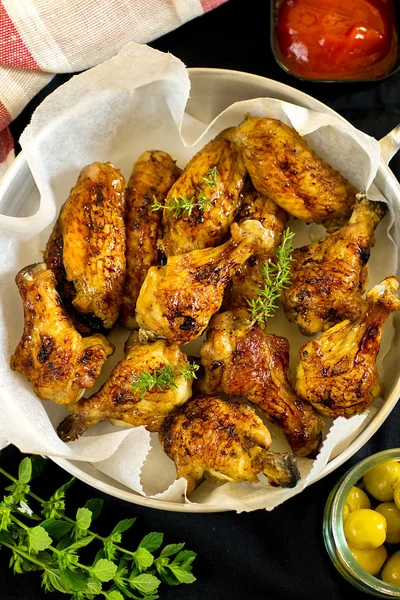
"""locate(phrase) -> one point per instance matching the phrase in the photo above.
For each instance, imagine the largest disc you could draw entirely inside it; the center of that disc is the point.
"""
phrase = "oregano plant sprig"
(51, 543)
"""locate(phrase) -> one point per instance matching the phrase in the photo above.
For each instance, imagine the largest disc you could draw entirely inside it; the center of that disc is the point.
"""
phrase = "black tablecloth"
(277, 555)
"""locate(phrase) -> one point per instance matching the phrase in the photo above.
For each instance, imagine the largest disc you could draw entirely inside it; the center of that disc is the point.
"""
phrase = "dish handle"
(390, 144)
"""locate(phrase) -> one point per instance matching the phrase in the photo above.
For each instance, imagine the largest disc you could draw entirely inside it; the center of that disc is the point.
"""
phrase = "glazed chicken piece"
(216, 173)
(248, 280)
(223, 442)
(329, 276)
(283, 167)
(118, 401)
(55, 358)
(87, 247)
(243, 360)
(152, 176)
(337, 373)
(176, 301)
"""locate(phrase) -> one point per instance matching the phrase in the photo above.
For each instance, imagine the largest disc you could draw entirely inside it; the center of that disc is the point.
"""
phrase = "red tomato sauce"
(337, 39)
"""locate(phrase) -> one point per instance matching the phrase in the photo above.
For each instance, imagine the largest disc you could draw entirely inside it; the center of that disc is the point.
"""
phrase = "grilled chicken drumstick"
(223, 441)
(117, 400)
(55, 358)
(337, 373)
(87, 247)
(283, 167)
(242, 360)
(212, 181)
(176, 301)
(329, 276)
(152, 176)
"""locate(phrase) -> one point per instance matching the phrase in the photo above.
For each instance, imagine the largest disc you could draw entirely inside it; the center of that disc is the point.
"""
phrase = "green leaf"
(25, 470)
(171, 549)
(6, 538)
(110, 550)
(64, 487)
(167, 577)
(73, 580)
(51, 581)
(104, 570)
(81, 543)
(57, 528)
(95, 505)
(145, 583)
(18, 563)
(5, 516)
(182, 575)
(152, 541)
(38, 539)
(123, 526)
(143, 559)
(114, 595)
(93, 587)
(184, 558)
(83, 521)
(38, 465)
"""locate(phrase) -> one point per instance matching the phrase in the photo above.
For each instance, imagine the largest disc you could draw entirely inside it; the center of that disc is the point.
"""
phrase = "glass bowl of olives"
(362, 525)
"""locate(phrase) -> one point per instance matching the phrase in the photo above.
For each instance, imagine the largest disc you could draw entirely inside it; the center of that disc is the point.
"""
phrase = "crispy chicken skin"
(243, 360)
(223, 442)
(176, 301)
(92, 227)
(337, 373)
(248, 280)
(153, 174)
(206, 228)
(329, 276)
(58, 362)
(117, 401)
(283, 167)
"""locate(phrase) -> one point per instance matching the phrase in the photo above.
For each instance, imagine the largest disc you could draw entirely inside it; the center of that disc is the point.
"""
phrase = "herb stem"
(29, 557)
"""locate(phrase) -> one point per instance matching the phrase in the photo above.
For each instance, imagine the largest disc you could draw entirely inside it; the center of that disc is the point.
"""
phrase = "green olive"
(346, 512)
(379, 481)
(392, 515)
(391, 570)
(370, 560)
(396, 493)
(357, 498)
(365, 529)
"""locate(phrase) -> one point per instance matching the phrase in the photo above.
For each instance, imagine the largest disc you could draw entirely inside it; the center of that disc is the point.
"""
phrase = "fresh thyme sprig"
(178, 206)
(163, 378)
(53, 547)
(276, 276)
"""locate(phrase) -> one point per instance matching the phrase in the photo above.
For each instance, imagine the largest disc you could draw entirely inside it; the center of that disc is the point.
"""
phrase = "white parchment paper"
(113, 112)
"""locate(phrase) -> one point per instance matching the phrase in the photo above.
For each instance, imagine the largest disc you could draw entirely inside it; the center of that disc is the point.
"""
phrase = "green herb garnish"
(52, 546)
(276, 277)
(180, 205)
(163, 378)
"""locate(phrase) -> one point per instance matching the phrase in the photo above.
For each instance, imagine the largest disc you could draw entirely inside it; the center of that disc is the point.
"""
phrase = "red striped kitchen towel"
(39, 38)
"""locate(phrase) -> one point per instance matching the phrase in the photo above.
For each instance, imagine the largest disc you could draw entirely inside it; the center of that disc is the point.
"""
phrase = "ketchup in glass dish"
(337, 39)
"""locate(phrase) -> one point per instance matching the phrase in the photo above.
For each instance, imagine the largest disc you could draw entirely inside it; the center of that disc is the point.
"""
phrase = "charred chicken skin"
(152, 176)
(216, 174)
(55, 358)
(87, 247)
(176, 301)
(283, 167)
(223, 442)
(118, 402)
(329, 276)
(337, 373)
(248, 280)
(243, 360)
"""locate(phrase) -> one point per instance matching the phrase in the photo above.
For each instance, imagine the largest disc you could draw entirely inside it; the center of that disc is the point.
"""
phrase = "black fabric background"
(278, 555)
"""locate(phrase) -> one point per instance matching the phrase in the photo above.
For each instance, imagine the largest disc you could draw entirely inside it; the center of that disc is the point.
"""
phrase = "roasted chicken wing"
(58, 362)
(223, 441)
(329, 276)
(243, 360)
(90, 237)
(248, 280)
(283, 167)
(117, 400)
(176, 301)
(337, 373)
(152, 176)
(213, 180)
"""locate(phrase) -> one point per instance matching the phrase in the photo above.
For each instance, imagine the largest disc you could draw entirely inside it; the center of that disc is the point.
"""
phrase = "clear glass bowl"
(334, 539)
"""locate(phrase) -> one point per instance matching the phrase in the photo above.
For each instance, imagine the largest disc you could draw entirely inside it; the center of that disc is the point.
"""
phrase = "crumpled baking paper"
(113, 112)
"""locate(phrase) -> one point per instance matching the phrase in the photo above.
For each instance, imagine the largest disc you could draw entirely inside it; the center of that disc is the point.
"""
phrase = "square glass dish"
(331, 41)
